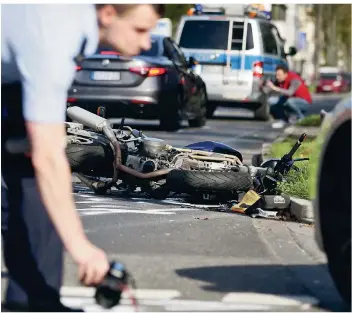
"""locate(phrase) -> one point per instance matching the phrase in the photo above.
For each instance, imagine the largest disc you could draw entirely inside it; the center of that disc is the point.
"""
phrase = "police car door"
(242, 51)
(206, 39)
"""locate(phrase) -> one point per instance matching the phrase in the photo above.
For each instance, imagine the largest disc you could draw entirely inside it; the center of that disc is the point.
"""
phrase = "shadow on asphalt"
(232, 118)
(141, 125)
(312, 280)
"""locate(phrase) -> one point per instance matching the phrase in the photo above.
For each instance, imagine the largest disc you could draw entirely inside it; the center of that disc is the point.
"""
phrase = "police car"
(234, 54)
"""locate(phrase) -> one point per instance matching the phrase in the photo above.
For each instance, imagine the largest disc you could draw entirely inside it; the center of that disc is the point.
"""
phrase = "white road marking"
(101, 210)
(213, 306)
(268, 299)
(86, 212)
(169, 300)
(201, 206)
(154, 294)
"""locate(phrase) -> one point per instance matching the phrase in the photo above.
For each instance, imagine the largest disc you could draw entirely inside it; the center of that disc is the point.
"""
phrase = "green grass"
(310, 120)
(299, 184)
(312, 88)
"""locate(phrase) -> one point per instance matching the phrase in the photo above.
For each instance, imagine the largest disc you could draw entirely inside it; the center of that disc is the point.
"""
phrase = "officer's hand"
(92, 263)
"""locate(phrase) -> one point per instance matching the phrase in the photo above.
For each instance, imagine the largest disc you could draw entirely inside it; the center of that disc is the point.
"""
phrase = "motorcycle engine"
(152, 147)
(147, 158)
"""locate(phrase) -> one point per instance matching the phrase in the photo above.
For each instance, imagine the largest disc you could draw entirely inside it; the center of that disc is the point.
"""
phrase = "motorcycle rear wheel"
(95, 159)
(202, 181)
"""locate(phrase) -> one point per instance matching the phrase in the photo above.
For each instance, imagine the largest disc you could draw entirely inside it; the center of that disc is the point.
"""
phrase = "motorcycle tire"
(95, 158)
(202, 181)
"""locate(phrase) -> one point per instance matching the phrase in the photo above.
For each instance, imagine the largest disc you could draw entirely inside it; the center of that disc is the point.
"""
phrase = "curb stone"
(301, 209)
(311, 131)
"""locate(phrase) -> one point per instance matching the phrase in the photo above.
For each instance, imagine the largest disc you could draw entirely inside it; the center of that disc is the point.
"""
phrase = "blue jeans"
(281, 106)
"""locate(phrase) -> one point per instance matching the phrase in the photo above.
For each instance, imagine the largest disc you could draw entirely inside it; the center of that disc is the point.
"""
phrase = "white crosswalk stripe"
(92, 205)
(171, 300)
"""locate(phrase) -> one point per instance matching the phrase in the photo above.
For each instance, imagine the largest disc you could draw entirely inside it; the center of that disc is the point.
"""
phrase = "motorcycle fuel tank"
(213, 146)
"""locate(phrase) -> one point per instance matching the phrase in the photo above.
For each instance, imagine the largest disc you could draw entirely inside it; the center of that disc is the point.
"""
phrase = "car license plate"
(327, 88)
(106, 75)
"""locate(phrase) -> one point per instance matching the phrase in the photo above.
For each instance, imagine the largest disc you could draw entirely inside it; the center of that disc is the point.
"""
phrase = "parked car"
(334, 82)
(332, 205)
(235, 54)
(157, 84)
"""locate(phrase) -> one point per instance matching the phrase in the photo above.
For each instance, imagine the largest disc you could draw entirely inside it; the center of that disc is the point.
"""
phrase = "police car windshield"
(205, 34)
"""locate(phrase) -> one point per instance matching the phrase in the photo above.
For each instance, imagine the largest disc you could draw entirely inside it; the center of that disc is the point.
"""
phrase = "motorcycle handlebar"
(297, 145)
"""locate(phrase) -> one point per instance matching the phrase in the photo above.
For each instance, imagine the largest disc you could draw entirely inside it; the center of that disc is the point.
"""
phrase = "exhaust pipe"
(87, 118)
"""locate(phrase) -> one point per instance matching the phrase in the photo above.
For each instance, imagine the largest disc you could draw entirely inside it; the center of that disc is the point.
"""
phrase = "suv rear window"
(237, 36)
(209, 35)
(213, 35)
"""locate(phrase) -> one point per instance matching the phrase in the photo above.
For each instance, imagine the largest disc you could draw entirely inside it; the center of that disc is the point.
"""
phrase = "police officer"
(39, 44)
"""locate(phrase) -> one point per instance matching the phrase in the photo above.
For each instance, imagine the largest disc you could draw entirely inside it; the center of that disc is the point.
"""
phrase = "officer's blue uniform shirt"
(38, 45)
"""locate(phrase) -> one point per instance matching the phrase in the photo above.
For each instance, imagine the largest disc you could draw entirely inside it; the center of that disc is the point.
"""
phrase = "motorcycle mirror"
(101, 111)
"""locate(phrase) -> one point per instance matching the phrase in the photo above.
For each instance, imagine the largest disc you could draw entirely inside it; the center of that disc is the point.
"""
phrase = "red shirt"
(301, 92)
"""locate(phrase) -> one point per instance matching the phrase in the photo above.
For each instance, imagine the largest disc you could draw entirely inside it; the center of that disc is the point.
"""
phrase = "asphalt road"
(191, 259)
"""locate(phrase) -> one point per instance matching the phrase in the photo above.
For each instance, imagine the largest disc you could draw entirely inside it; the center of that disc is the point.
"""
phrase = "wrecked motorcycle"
(96, 150)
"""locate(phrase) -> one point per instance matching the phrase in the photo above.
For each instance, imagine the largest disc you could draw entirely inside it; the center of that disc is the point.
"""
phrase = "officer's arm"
(46, 63)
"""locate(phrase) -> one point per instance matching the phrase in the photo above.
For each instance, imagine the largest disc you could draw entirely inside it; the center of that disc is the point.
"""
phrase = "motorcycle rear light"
(78, 68)
(258, 69)
(148, 71)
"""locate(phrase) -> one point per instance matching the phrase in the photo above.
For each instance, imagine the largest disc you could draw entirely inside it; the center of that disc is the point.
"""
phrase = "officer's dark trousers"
(32, 248)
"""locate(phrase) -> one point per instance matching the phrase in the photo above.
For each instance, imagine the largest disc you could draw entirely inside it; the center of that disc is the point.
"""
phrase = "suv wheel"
(263, 112)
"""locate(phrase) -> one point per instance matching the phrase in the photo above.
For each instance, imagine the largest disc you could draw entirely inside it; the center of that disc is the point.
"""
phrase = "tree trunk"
(331, 43)
(318, 44)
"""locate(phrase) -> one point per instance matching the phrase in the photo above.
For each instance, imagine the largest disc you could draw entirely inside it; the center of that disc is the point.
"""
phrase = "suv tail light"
(148, 71)
(258, 69)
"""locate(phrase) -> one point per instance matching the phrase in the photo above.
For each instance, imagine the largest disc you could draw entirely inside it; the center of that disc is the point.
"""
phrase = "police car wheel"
(262, 113)
(211, 107)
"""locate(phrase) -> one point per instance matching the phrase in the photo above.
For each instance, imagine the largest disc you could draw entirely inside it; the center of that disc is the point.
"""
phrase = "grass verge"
(299, 184)
(310, 120)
